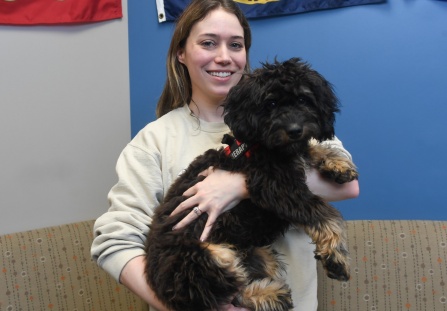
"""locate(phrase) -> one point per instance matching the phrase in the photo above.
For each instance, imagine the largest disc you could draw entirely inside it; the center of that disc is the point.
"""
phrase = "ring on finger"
(197, 211)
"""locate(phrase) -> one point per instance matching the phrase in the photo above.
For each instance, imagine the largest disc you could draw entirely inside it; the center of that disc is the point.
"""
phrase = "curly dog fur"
(275, 111)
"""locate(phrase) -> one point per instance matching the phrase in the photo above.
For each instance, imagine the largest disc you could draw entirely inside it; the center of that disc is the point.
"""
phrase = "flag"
(47, 12)
(169, 10)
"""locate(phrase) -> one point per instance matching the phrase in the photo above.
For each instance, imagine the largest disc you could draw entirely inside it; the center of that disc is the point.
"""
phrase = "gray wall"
(64, 118)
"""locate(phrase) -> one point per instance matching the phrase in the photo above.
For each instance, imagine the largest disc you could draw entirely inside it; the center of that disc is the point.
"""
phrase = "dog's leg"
(327, 231)
(298, 205)
(332, 164)
(196, 276)
(329, 236)
(267, 290)
(266, 295)
(227, 259)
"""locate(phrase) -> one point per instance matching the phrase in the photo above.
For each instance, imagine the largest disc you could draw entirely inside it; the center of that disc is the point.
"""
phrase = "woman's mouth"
(220, 74)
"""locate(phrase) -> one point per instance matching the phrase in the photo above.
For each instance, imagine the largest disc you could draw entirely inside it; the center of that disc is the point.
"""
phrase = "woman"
(207, 56)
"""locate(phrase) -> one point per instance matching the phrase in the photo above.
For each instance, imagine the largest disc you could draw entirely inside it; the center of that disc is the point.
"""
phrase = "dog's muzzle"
(294, 131)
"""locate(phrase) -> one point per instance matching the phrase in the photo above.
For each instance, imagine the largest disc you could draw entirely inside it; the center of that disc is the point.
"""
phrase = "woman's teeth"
(220, 74)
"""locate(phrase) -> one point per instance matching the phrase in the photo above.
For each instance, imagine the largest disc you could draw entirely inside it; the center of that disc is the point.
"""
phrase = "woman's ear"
(181, 56)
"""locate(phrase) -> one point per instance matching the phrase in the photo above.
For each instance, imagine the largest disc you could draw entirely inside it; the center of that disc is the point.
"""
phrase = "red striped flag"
(47, 12)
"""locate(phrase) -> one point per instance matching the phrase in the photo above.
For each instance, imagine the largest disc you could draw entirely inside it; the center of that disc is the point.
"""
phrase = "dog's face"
(281, 106)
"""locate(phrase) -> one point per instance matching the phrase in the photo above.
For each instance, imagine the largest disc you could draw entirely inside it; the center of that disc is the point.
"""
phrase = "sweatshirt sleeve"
(120, 233)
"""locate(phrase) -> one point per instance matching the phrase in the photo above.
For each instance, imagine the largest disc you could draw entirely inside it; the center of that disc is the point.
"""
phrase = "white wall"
(64, 118)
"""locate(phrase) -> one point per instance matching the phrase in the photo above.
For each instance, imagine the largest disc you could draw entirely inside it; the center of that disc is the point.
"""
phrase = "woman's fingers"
(208, 226)
(207, 172)
(194, 198)
(212, 217)
(191, 193)
(193, 215)
(218, 192)
(187, 204)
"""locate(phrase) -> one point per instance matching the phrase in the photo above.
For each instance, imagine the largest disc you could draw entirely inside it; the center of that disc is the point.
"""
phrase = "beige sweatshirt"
(147, 167)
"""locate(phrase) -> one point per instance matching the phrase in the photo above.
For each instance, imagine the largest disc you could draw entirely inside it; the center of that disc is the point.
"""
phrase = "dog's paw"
(337, 271)
(336, 266)
(345, 176)
(340, 170)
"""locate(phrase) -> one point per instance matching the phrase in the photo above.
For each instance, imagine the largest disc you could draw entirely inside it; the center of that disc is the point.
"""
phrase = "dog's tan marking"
(330, 240)
(327, 237)
(226, 258)
(272, 266)
(265, 294)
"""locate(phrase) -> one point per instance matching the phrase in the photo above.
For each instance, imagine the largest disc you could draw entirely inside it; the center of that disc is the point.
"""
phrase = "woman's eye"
(207, 43)
(237, 46)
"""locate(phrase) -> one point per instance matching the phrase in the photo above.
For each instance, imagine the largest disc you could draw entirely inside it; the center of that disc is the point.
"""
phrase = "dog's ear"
(240, 107)
(327, 104)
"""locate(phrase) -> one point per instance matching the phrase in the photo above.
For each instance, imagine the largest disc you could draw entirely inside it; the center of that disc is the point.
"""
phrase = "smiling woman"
(215, 57)
(178, 88)
(207, 57)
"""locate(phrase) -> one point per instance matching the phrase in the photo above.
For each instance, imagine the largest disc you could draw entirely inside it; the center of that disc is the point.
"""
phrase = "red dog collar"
(235, 148)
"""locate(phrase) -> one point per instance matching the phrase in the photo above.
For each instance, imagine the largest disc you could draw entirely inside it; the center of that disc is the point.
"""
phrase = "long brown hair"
(177, 89)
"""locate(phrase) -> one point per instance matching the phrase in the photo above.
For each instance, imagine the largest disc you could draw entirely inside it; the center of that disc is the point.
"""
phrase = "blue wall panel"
(388, 64)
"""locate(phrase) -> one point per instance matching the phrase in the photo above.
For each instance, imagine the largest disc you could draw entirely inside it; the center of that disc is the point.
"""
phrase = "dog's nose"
(294, 131)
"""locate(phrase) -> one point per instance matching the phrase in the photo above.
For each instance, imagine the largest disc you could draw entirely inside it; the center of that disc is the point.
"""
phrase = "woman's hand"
(329, 190)
(219, 192)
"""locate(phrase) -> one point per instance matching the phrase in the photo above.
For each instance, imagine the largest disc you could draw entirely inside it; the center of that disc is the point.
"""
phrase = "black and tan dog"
(273, 114)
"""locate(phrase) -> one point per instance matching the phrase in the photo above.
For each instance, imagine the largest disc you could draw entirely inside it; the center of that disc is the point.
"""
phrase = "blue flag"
(169, 10)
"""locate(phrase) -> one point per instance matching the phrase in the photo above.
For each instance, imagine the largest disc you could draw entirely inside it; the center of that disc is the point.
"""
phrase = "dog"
(273, 114)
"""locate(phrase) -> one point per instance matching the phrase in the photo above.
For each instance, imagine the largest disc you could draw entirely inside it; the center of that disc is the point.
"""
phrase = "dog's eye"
(267, 105)
(302, 99)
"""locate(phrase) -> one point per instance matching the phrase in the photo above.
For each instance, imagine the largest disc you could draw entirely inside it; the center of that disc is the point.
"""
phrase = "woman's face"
(215, 56)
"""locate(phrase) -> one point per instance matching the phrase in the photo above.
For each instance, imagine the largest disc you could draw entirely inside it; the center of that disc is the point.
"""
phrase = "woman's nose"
(223, 56)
